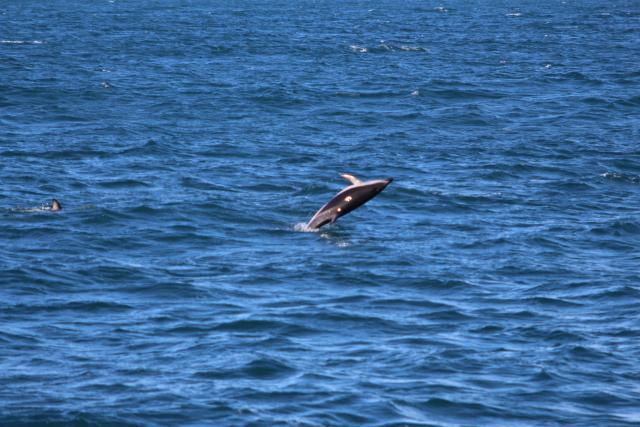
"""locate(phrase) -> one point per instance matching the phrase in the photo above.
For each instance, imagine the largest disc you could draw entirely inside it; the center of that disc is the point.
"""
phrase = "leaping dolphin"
(348, 199)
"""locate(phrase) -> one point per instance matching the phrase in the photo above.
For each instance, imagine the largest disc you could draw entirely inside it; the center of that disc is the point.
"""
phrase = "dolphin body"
(347, 200)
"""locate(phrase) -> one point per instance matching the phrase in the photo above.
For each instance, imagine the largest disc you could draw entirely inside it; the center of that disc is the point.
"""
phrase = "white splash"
(42, 208)
(302, 226)
(335, 240)
(359, 49)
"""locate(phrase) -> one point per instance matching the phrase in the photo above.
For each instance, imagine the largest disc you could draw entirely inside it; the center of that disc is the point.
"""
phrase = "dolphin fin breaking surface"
(352, 179)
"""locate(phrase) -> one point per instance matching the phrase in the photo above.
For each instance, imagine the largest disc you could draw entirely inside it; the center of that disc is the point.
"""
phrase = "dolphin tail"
(352, 179)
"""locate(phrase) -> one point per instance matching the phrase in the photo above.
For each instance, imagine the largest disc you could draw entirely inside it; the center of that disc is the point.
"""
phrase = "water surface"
(494, 282)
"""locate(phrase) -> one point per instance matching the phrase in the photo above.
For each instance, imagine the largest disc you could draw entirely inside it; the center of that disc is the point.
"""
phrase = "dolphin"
(55, 205)
(352, 197)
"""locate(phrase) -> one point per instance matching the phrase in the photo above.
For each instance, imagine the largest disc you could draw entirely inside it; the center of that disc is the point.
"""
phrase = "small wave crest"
(384, 47)
(22, 41)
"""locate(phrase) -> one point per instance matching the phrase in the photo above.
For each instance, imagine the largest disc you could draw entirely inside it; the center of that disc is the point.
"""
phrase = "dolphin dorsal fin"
(352, 179)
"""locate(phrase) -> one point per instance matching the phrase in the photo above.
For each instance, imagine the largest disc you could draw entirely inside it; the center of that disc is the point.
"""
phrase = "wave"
(618, 227)
(263, 368)
(384, 47)
(622, 177)
(122, 183)
(22, 42)
(263, 325)
(74, 306)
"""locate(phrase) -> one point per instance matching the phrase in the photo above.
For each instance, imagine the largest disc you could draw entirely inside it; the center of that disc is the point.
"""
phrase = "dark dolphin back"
(344, 202)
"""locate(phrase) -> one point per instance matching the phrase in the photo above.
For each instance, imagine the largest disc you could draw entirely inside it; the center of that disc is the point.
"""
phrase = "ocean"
(496, 281)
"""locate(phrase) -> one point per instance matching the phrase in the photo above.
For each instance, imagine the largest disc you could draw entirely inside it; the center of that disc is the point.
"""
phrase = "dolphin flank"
(348, 199)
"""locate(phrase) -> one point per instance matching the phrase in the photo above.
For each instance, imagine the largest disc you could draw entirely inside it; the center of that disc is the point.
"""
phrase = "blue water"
(496, 281)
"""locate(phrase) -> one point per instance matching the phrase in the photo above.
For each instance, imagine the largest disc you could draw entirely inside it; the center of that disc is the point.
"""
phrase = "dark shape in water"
(348, 199)
(55, 205)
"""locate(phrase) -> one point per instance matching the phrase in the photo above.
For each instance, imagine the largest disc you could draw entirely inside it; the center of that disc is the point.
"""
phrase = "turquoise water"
(494, 282)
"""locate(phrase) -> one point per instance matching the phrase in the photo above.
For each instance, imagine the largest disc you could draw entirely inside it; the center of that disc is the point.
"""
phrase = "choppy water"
(495, 282)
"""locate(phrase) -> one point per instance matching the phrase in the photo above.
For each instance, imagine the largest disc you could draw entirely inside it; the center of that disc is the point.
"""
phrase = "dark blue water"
(495, 282)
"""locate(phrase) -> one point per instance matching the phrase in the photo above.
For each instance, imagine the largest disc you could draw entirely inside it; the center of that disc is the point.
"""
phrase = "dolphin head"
(386, 182)
(374, 187)
(55, 205)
